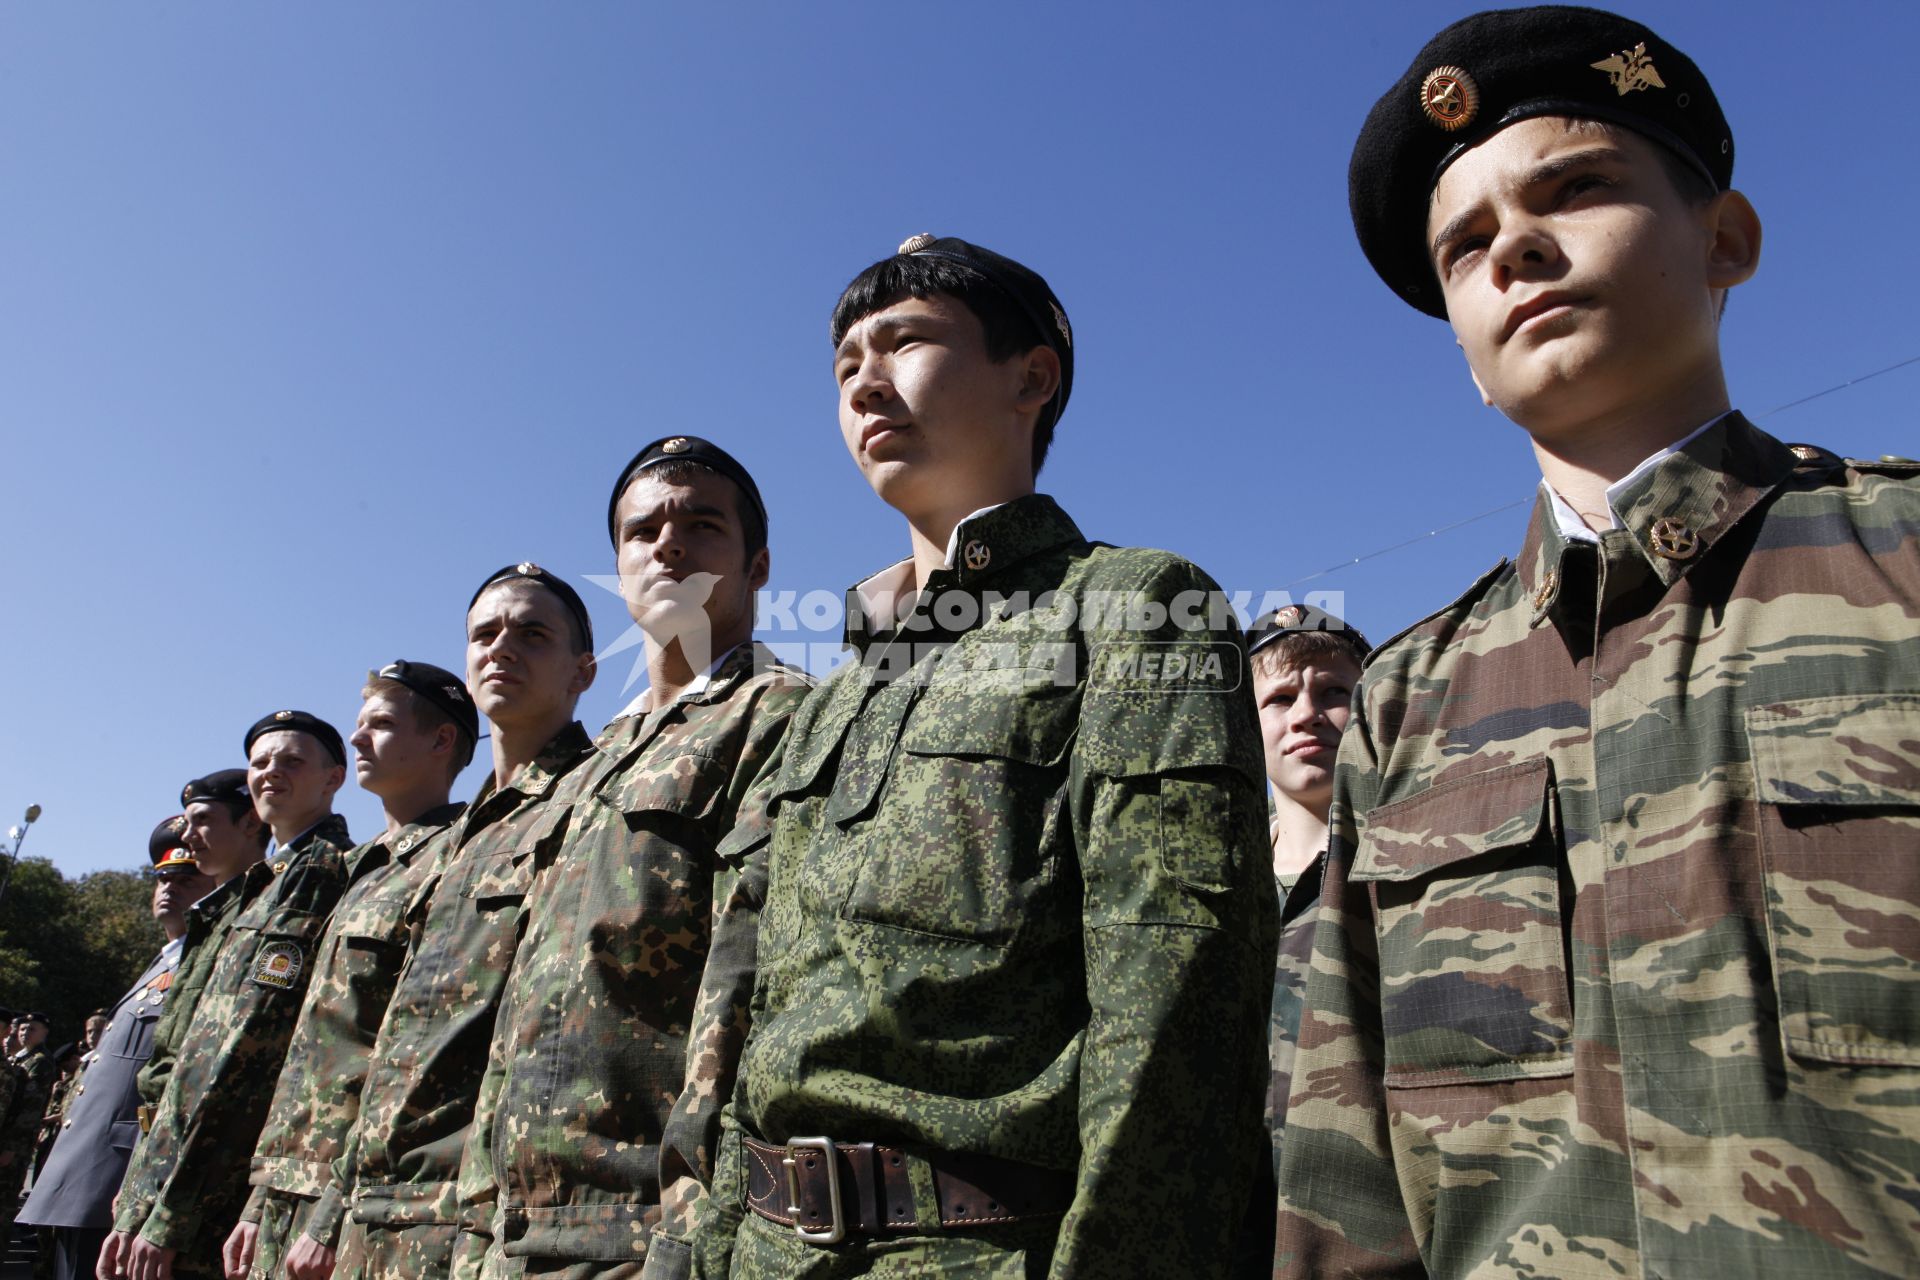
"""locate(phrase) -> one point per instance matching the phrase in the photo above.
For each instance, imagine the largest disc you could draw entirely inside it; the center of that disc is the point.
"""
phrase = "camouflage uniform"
(590, 1053)
(208, 921)
(38, 1073)
(318, 1095)
(1020, 906)
(403, 1157)
(1617, 969)
(187, 1182)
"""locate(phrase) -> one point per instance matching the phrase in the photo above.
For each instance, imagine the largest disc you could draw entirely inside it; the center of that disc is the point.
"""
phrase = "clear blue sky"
(310, 316)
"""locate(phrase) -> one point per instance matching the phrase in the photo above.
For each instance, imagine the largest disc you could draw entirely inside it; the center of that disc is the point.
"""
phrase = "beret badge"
(1630, 69)
(676, 445)
(527, 568)
(283, 715)
(1450, 98)
(914, 244)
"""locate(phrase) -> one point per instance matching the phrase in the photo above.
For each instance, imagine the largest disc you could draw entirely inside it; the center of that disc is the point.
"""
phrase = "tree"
(70, 947)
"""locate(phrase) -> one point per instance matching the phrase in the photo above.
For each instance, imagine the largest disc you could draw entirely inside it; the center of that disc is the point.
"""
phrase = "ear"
(759, 569)
(583, 675)
(336, 778)
(1039, 378)
(1733, 253)
(445, 739)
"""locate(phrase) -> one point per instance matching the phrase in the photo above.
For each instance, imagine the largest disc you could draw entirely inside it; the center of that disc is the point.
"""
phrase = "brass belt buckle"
(145, 1114)
(836, 1230)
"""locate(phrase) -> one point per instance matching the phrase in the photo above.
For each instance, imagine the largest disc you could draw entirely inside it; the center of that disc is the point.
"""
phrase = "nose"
(1523, 250)
(669, 545)
(866, 389)
(1306, 710)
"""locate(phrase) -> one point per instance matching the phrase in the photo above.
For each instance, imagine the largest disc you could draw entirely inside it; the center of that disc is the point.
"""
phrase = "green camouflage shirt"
(207, 923)
(38, 1074)
(403, 1157)
(590, 1053)
(1020, 902)
(187, 1182)
(318, 1095)
(1617, 968)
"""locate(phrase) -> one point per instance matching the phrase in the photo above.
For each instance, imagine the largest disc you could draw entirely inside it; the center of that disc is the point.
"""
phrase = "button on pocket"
(1465, 882)
(1838, 785)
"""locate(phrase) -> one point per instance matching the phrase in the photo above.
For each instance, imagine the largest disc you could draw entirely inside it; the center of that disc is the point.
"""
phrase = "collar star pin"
(978, 555)
(1450, 97)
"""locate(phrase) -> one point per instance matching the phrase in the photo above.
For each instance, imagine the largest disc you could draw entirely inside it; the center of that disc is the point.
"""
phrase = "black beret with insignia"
(532, 572)
(1029, 291)
(228, 786)
(439, 686)
(684, 449)
(1292, 618)
(300, 722)
(1497, 68)
(166, 847)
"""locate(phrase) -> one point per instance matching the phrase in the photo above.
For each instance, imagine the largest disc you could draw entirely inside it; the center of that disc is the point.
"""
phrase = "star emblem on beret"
(914, 244)
(676, 445)
(1450, 97)
(283, 715)
(526, 567)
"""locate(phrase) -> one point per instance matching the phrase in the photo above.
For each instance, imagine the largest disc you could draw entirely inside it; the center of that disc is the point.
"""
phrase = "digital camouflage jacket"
(1617, 969)
(590, 1054)
(1020, 904)
(318, 1095)
(187, 1182)
(424, 1076)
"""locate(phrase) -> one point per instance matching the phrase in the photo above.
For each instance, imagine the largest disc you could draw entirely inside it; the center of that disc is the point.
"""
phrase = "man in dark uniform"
(73, 1191)
(37, 1072)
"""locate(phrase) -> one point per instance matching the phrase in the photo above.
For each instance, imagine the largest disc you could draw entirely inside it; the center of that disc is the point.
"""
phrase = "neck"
(404, 808)
(174, 926)
(254, 858)
(670, 673)
(1299, 834)
(287, 831)
(1581, 464)
(517, 745)
(931, 530)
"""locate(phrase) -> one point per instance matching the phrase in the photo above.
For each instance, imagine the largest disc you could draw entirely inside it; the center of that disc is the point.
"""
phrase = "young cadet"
(187, 1182)
(1019, 928)
(416, 731)
(1617, 959)
(73, 1190)
(563, 1173)
(529, 658)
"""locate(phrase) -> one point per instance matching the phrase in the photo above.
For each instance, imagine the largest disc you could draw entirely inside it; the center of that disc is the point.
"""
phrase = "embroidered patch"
(278, 965)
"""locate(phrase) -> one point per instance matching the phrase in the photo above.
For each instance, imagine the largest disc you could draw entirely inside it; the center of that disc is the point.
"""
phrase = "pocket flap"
(1499, 809)
(957, 721)
(687, 784)
(1856, 749)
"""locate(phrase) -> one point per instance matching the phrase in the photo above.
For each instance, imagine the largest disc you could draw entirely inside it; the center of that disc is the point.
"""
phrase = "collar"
(1574, 529)
(412, 835)
(1671, 509)
(698, 686)
(990, 542)
(171, 951)
(538, 775)
(332, 829)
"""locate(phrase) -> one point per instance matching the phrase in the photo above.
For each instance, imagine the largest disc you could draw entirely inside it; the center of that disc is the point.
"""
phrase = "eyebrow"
(1544, 172)
(690, 509)
(876, 325)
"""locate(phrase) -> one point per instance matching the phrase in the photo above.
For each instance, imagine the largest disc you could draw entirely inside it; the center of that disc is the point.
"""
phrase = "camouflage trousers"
(281, 1221)
(1019, 1251)
(500, 1267)
(395, 1251)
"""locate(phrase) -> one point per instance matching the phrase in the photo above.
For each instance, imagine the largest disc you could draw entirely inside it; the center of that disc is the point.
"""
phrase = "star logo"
(1631, 69)
(1450, 97)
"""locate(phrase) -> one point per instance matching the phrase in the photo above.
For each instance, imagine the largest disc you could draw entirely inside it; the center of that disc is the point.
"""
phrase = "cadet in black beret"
(527, 569)
(704, 453)
(1292, 618)
(440, 687)
(292, 787)
(300, 722)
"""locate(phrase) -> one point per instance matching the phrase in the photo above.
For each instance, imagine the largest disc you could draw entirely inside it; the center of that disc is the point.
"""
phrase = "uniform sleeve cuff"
(329, 1213)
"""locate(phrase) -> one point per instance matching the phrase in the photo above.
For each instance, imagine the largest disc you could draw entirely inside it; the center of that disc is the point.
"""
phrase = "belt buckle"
(836, 1230)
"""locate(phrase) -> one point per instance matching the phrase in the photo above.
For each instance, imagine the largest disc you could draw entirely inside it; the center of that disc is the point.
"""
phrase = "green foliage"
(70, 947)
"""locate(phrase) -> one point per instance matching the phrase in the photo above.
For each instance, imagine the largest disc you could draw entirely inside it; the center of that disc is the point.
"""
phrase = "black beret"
(300, 722)
(534, 573)
(439, 686)
(1027, 288)
(1497, 68)
(684, 449)
(226, 785)
(1292, 618)
(40, 1018)
(166, 848)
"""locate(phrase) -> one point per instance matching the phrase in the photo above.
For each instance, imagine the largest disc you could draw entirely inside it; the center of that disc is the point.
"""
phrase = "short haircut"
(426, 716)
(1693, 186)
(1298, 648)
(578, 641)
(239, 811)
(685, 471)
(1009, 330)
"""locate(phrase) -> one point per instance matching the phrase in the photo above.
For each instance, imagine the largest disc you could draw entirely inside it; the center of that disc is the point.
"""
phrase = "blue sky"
(311, 316)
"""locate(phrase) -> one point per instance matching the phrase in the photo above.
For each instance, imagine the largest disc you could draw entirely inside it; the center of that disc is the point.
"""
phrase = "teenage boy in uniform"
(1620, 932)
(187, 1182)
(529, 658)
(562, 1176)
(1019, 929)
(416, 731)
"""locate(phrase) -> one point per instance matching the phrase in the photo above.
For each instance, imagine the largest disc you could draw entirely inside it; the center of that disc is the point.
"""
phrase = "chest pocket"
(1838, 785)
(1465, 882)
(967, 837)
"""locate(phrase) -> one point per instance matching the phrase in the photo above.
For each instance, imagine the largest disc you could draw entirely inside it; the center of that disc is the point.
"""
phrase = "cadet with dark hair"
(416, 730)
(1019, 929)
(187, 1183)
(1616, 968)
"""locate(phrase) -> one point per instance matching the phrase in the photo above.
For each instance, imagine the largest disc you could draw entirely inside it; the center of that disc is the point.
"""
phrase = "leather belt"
(825, 1189)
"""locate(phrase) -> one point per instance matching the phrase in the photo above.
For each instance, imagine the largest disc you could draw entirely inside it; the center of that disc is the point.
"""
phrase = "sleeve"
(256, 1206)
(202, 1133)
(1341, 1212)
(329, 1212)
(690, 1142)
(1179, 930)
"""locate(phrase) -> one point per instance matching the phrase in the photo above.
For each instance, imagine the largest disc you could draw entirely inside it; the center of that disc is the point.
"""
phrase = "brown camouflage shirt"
(1617, 968)
(187, 1182)
(207, 923)
(424, 1076)
(590, 1052)
(318, 1095)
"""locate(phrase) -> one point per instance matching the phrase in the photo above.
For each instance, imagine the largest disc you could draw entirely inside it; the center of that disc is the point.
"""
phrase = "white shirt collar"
(697, 686)
(1574, 529)
(953, 539)
(171, 951)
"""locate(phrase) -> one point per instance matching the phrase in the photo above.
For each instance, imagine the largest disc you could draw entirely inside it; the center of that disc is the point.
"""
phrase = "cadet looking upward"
(576, 1150)
(73, 1190)
(1019, 927)
(529, 658)
(1617, 965)
(416, 731)
(187, 1182)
